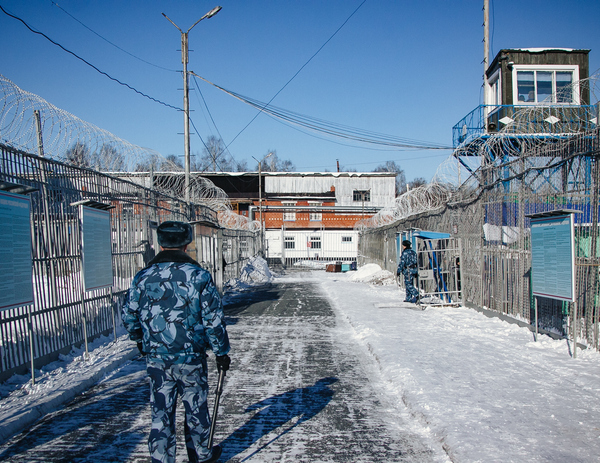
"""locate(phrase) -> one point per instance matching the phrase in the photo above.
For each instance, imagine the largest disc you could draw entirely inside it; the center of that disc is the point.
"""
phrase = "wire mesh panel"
(238, 247)
(55, 321)
(439, 280)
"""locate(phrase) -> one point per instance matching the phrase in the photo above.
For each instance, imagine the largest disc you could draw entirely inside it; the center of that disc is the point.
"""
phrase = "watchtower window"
(536, 86)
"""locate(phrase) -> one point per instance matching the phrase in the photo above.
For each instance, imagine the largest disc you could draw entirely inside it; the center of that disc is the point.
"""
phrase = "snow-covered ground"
(22, 403)
(483, 387)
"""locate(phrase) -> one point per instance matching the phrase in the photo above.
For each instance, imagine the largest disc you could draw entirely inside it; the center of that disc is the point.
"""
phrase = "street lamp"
(262, 247)
(186, 101)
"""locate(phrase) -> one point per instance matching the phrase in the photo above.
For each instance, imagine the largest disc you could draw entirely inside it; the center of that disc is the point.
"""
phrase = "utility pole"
(262, 247)
(186, 100)
(486, 50)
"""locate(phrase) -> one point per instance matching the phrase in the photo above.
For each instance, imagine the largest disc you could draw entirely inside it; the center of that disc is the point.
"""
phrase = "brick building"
(311, 215)
(305, 215)
(308, 215)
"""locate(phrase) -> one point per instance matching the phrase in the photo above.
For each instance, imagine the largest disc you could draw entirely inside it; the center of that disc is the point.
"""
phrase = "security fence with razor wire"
(508, 177)
(62, 177)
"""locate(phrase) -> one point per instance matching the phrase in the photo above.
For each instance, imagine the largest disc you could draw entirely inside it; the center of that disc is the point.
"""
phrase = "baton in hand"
(218, 393)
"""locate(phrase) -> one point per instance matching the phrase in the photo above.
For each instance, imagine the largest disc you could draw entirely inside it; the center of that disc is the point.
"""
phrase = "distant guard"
(409, 267)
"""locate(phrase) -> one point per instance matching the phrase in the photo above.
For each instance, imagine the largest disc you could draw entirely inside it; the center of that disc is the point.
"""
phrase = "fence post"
(219, 260)
(282, 245)
(30, 328)
(112, 311)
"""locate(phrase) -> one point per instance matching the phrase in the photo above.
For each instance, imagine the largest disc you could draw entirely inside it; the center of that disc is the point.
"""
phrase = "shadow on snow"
(291, 408)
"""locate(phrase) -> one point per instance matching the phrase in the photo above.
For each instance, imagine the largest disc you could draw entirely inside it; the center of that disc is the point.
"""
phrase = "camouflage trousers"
(411, 292)
(168, 381)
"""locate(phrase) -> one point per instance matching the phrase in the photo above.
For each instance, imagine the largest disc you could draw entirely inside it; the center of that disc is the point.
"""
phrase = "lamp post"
(186, 101)
(262, 247)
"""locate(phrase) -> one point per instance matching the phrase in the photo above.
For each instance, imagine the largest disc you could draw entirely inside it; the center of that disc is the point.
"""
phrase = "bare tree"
(109, 159)
(241, 166)
(216, 158)
(212, 155)
(417, 182)
(150, 163)
(172, 163)
(391, 166)
(274, 164)
(78, 155)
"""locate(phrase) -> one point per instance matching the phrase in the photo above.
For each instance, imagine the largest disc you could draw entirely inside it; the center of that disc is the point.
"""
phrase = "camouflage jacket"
(175, 310)
(408, 263)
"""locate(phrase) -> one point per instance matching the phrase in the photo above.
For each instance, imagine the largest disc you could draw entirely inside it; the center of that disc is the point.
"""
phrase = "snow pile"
(255, 272)
(314, 264)
(372, 274)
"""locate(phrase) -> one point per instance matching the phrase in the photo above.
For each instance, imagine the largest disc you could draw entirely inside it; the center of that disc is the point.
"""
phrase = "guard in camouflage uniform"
(409, 267)
(174, 313)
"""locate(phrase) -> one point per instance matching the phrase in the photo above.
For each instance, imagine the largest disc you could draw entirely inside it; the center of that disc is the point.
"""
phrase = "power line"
(226, 148)
(382, 162)
(87, 62)
(332, 128)
(108, 41)
(261, 109)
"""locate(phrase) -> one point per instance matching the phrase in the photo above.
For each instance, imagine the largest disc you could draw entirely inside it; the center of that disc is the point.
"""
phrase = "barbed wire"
(69, 139)
(523, 132)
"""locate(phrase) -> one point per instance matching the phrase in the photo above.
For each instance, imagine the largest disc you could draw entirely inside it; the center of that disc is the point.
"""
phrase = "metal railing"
(54, 324)
(536, 120)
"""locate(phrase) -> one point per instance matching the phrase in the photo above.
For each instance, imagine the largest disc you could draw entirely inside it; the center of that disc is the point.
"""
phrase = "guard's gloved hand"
(223, 362)
(140, 347)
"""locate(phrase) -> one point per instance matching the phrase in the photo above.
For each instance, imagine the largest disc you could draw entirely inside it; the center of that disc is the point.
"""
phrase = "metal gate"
(439, 257)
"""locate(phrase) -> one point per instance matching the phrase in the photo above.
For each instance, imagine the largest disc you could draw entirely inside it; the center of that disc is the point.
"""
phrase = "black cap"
(174, 234)
(406, 244)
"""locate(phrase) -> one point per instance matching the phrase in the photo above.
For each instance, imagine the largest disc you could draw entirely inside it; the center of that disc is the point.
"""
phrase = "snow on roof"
(255, 172)
(330, 174)
(541, 50)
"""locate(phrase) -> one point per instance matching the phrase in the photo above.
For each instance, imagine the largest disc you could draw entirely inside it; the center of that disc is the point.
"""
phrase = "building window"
(315, 242)
(346, 239)
(290, 242)
(495, 94)
(361, 195)
(315, 216)
(544, 85)
(289, 216)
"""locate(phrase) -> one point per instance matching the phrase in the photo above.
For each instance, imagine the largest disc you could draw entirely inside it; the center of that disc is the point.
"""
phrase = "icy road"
(298, 390)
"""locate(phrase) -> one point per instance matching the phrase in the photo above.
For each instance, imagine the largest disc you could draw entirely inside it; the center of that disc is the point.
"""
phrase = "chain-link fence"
(55, 322)
(489, 213)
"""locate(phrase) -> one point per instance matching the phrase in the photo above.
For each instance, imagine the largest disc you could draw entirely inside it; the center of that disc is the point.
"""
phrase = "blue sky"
(410, 69)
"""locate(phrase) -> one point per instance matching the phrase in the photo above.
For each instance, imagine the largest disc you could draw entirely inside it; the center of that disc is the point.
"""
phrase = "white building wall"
(335, 244)
(381, 185)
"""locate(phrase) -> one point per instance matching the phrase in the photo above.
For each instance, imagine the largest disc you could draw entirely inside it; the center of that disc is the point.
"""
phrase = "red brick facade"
(329, 220)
